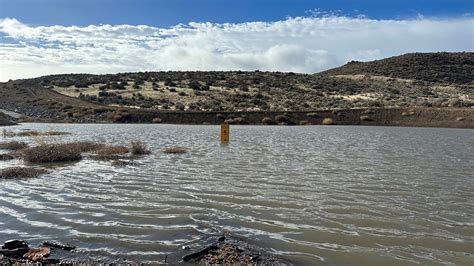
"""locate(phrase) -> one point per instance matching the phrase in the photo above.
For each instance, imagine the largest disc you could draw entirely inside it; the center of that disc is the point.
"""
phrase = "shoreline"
(404, 117)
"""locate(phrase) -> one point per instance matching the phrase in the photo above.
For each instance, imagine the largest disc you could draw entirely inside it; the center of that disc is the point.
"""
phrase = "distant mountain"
(455, 68)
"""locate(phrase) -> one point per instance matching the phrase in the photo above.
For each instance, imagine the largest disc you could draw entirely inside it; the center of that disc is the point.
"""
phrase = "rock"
(14, 244)
(15, 253)
(314, 115)
(198, 256)
(52, 244)
(459, 119)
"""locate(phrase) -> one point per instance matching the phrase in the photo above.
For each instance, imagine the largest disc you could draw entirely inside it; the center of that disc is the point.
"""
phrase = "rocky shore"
(215, 249)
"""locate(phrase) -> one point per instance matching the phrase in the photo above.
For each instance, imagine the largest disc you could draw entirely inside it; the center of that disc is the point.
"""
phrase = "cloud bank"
(303, 44)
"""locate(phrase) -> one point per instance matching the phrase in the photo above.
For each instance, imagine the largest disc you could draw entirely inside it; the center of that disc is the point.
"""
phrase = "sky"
(104, 36)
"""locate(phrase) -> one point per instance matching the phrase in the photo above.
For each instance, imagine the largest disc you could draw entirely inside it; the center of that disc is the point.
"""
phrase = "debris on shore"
(19, 251)
(226, 249)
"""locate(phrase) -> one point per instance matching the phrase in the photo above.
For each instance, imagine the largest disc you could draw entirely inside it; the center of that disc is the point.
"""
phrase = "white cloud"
(303, 44)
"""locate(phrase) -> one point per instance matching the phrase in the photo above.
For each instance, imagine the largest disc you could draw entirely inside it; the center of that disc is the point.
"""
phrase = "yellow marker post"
(225, 133)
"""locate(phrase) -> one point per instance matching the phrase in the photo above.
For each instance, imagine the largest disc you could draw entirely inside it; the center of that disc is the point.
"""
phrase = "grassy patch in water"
(52, 153)
(139, 148)
(21, 172)
(175, 150)
(13, 145)
(33, 133)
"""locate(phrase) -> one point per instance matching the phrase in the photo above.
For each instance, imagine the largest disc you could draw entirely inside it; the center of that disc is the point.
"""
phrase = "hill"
(240, 97)
(446, 68)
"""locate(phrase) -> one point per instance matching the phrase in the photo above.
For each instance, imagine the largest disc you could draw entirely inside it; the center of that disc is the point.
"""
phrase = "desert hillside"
(442, 68)
(441, 80)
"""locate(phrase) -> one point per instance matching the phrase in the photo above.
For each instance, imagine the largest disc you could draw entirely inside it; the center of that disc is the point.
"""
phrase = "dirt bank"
(6, 120)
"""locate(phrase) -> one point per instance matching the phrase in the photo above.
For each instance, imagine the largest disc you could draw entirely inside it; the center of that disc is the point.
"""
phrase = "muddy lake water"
(310, 195)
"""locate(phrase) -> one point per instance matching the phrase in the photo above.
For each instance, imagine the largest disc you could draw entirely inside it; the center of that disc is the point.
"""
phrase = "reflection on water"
(332, 195)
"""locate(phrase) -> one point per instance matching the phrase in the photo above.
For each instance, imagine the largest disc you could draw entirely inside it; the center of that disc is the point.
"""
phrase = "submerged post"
(225, 133)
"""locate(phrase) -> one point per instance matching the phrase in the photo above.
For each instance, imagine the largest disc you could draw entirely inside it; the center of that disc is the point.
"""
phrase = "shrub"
(195, 85)
(13, 145)
(179, 106)
(268, 121)
(18, 172)
(328, 121)
(139, 148)
(366, 118)
(282, 119)
(157, 120)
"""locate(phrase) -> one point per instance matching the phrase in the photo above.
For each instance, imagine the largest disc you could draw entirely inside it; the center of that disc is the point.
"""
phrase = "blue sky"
(166, 13)
(41, 37)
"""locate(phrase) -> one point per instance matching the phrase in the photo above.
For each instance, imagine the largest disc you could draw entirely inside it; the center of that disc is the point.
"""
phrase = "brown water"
(312, 195)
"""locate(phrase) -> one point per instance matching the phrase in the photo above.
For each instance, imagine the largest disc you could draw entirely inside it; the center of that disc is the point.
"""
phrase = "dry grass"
(6, 157)
(122, 163)
(139, 148)
(175, 150)
(111, 150)
(109, 157)
(49, 153)
(18, 172)
(328, 121)
(13, 145)
(33, 133)
(86, 146)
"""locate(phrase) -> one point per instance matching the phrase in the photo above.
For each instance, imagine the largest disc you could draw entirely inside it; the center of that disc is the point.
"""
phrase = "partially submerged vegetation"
(175, 150)
(32, 133)
(56, 151)
(139, 148)
(21, 172)
(13, 145)
(52, 153)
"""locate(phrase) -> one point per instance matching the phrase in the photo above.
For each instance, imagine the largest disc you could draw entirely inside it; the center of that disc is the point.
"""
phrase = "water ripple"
(333, 195)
